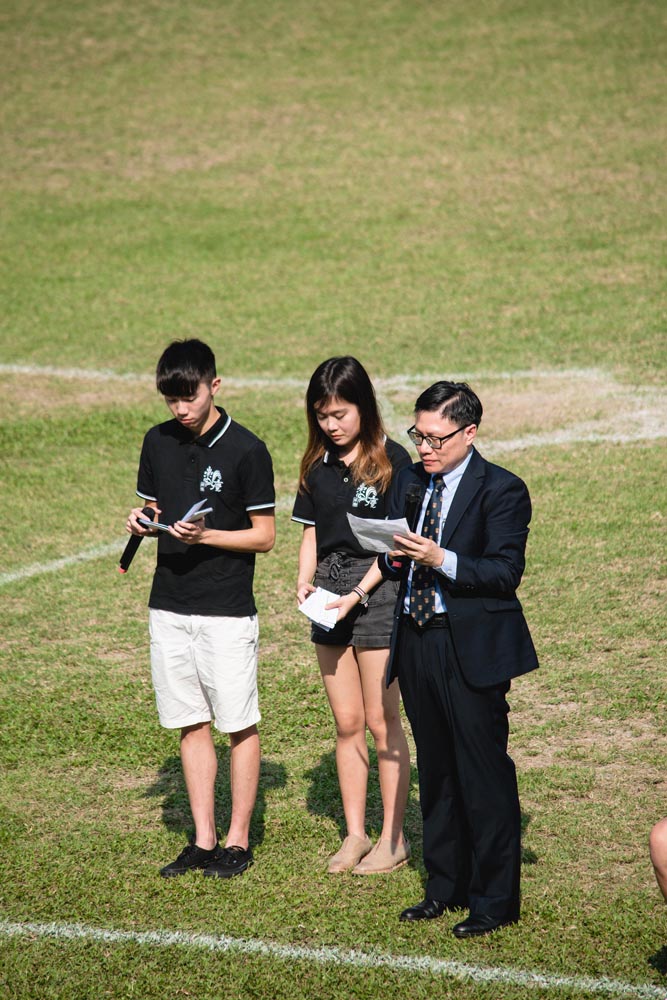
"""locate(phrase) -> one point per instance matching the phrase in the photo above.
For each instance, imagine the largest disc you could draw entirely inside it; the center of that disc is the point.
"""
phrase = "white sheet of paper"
(194, 514)
(152, 524)
(376, 535)
(196, 509)
(313, 608)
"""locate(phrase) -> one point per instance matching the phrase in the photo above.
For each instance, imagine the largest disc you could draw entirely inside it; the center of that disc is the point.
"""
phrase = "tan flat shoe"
(383, 858)
(352, 850)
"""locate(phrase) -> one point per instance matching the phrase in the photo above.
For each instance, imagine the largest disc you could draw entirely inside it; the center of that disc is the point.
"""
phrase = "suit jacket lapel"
(423, 476)
(471, 483)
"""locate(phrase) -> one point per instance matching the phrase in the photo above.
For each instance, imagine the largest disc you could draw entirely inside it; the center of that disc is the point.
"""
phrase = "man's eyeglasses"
(435, 443)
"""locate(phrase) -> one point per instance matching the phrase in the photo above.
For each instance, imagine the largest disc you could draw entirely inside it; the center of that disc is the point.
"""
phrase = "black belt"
(437, 621)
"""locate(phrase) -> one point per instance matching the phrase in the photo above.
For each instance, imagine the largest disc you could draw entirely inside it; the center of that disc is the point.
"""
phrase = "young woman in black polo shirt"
(347, 467)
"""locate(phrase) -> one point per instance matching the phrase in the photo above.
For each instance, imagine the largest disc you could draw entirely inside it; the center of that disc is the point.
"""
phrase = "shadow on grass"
(659, 961)
(176, 816)
(323, 799)
(528, 856)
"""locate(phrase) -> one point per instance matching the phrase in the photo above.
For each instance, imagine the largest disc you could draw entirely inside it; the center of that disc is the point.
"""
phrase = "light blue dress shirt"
(448, 567)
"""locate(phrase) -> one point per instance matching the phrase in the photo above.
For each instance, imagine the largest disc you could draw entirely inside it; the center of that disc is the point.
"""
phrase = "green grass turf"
(483, 182)
(438, 188)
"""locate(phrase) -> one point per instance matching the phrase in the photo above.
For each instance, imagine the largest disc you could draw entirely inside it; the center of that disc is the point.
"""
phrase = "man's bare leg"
(658, 846)
(244, 777)
(200, 767)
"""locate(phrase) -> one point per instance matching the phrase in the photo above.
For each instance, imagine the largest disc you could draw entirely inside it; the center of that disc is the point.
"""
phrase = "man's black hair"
(455, 400)
(183, 366)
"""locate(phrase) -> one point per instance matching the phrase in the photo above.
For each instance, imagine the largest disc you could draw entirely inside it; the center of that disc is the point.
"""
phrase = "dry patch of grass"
(589, 403)
(38, 394)
(595, 403)
(611, 746)
(78, 797)
(26, 396)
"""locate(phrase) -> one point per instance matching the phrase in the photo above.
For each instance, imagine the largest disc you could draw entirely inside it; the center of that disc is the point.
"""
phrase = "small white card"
(194, 514)
(313, 608)
(376, 535)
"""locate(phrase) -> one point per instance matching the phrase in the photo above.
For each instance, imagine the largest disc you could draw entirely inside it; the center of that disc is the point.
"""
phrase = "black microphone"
(413, 505)
(134, 543)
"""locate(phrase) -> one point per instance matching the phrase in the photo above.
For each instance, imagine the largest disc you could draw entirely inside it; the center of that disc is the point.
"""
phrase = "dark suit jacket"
(487, 528)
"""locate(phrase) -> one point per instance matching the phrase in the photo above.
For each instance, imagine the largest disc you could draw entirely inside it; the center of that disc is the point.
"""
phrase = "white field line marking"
(650, 431)
(97, 552)
(35, 569)
(461, 971)
(108, 375)
(267, 381)
(647, 425)
(647, 428)
(85, 374)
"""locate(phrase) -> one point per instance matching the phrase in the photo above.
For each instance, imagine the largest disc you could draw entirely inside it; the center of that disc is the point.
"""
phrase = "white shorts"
(204, 668)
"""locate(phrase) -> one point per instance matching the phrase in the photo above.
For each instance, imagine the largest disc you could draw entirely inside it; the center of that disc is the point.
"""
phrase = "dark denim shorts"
(369, 626)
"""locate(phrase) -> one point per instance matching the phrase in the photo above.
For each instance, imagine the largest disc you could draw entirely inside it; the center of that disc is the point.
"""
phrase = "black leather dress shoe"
(475, 926)
(428, 909)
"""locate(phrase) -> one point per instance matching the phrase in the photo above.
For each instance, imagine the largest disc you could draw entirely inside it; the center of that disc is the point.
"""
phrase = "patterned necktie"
(422, 590)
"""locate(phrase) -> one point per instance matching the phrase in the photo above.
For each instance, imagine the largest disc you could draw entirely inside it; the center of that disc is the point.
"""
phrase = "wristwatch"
(362, 595)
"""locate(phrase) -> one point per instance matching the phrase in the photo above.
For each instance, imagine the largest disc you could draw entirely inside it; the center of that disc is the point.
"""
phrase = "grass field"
(442, 189)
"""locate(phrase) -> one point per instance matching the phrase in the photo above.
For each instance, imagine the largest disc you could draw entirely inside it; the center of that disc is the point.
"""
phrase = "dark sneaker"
(190, 858)
(230, 861)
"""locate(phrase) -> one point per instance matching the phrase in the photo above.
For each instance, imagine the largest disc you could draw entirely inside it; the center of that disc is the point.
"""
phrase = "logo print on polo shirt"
(366, 496)
(211, 480)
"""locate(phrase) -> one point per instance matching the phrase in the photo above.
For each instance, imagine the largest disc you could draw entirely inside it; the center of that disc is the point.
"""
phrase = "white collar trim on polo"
(221, 432)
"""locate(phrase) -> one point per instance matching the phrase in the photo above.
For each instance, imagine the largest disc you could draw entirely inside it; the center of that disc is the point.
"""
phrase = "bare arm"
(307, 563)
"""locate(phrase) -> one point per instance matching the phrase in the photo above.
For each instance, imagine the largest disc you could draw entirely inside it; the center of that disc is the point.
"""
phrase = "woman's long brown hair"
(346, 379)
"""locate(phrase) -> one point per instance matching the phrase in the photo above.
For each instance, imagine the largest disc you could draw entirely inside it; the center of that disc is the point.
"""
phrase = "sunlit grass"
(441, 190)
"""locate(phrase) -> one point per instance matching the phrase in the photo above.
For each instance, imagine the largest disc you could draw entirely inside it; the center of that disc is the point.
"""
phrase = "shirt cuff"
(449, 563)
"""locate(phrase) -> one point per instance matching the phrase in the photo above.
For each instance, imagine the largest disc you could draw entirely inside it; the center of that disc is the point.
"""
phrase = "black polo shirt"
(231, 468)
(332, 495)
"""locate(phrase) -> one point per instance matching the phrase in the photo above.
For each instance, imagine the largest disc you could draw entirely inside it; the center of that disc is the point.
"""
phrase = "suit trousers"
(467, 782)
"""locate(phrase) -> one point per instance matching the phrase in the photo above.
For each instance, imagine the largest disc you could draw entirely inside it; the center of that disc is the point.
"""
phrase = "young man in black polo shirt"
(203, 619)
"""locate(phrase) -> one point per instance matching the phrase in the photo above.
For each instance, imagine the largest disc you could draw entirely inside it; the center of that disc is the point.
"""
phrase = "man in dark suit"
(459, 638)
